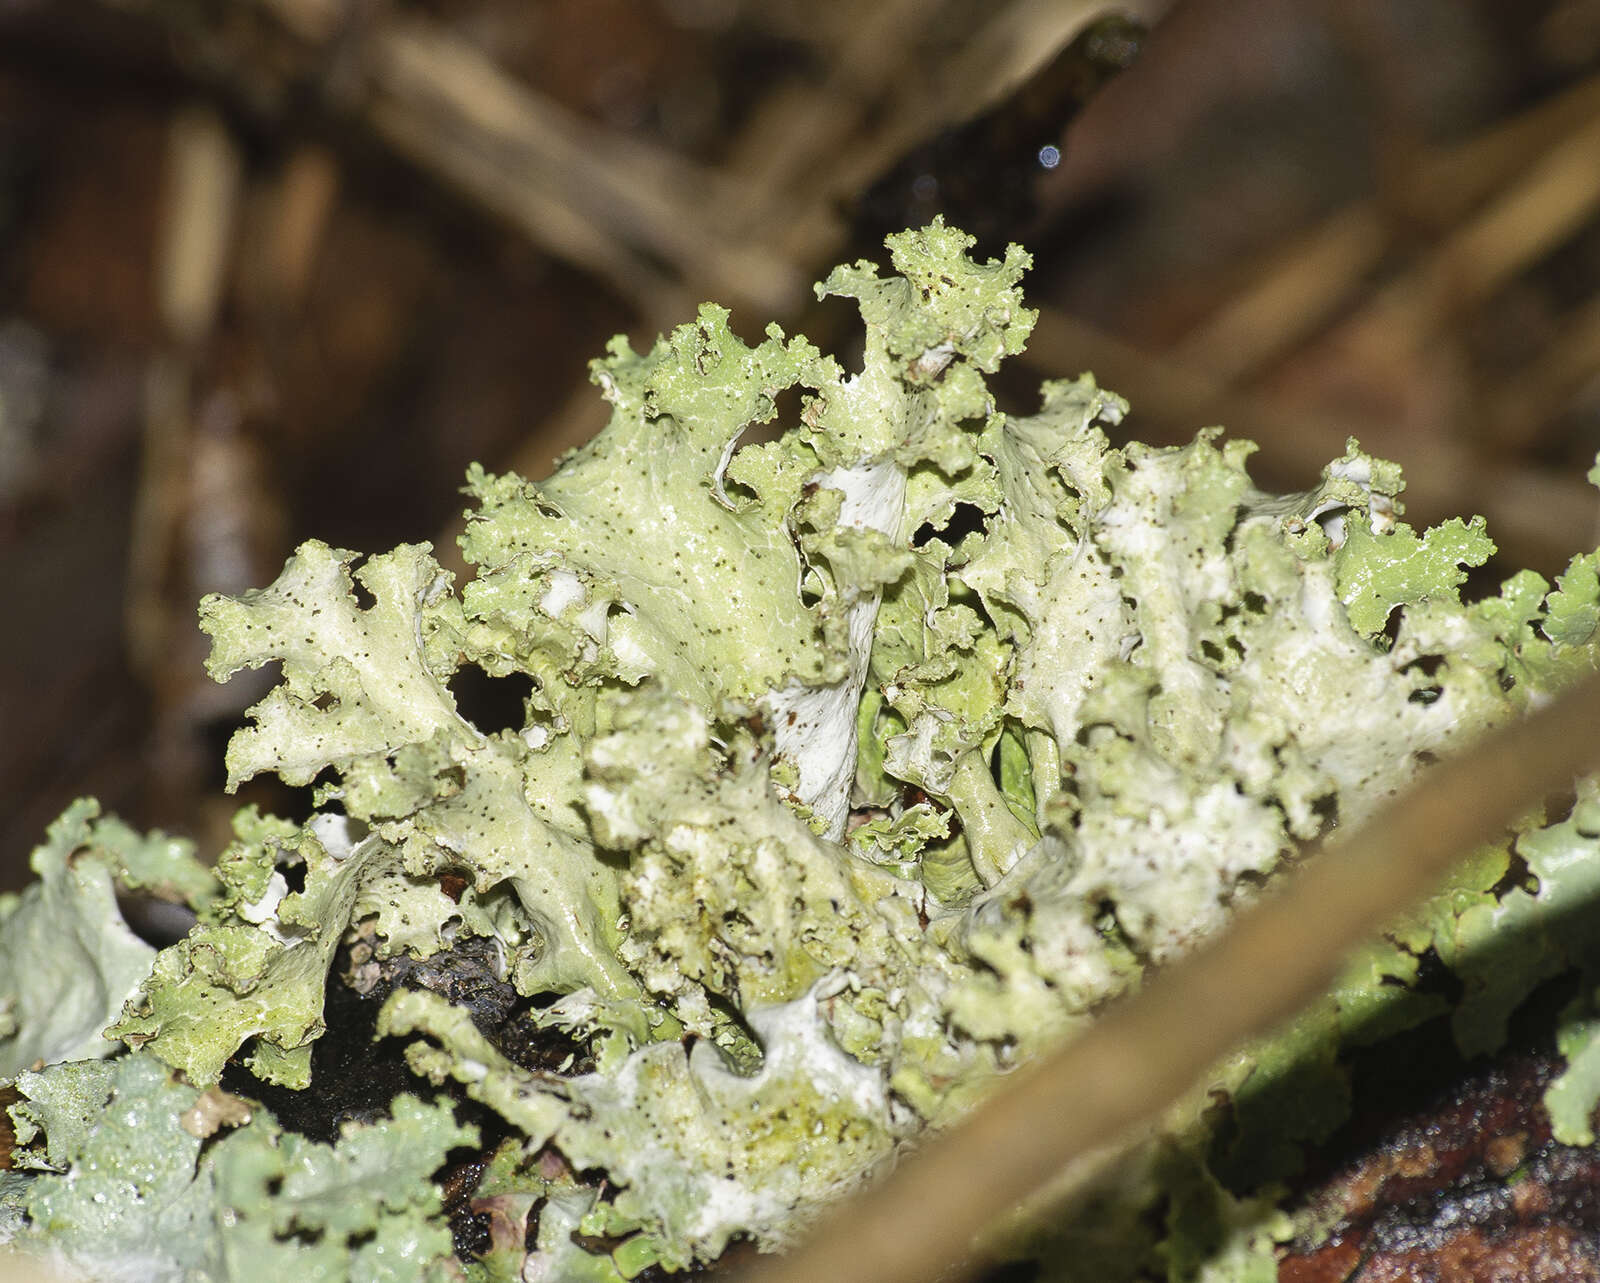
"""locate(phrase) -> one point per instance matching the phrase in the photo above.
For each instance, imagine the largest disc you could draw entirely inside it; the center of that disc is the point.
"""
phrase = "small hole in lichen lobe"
(964, 519)
(491, 704)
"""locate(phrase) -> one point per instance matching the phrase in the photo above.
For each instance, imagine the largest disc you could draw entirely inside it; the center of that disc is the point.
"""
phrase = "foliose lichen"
(860, 763)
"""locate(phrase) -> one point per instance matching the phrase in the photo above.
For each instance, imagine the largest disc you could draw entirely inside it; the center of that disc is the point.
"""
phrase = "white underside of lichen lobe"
(815, 726)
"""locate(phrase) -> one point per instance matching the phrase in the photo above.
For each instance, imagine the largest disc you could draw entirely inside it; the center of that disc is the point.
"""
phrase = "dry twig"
(1556, 197)
(203, 186)
(1322, 270)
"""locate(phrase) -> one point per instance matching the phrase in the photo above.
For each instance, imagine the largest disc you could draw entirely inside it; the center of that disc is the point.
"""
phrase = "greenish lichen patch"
(858, 764)
(127, 1188)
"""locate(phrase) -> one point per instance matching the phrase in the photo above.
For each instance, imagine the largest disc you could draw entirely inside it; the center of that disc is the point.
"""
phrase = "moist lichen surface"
(858, 765)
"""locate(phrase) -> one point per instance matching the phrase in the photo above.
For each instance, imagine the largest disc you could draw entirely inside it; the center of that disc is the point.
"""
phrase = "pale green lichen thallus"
(859, 764)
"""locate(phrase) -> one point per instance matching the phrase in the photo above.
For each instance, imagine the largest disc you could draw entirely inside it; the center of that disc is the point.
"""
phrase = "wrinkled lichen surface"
(859, 764)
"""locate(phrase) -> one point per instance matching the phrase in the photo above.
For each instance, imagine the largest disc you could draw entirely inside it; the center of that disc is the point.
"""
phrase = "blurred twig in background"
(1316, 274)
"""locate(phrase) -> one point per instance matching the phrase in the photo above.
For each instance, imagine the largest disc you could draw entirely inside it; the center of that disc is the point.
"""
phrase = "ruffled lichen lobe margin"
(859, 763)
